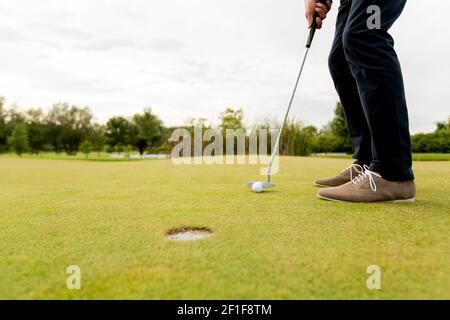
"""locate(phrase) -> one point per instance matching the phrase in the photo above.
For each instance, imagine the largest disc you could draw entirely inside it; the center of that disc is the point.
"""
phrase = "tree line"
(72, 129)
(67, 128)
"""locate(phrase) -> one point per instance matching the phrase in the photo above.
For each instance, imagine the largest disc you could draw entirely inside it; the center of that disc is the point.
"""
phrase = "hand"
(314, 6)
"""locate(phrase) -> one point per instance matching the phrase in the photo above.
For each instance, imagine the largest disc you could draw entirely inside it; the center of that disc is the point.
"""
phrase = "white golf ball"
(258, 187)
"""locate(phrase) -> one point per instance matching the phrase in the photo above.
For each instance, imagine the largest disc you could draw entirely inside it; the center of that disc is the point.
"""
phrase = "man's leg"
(348, 93)
(354, 113)
(375, 66)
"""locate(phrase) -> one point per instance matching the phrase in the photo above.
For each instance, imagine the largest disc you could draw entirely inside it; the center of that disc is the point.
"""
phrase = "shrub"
(329, 143)
(86, 148)
(19, 139)
(128, 150)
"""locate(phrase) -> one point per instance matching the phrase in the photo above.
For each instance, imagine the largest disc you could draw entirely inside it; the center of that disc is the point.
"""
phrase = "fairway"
(110, 218)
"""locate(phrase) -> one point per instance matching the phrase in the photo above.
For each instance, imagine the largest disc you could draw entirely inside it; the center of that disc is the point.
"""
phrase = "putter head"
(266, 185)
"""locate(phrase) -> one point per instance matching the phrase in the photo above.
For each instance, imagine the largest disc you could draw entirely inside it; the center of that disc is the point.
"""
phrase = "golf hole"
(189, 233)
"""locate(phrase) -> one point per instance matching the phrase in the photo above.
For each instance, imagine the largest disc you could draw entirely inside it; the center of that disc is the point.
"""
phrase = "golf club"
(268, 184)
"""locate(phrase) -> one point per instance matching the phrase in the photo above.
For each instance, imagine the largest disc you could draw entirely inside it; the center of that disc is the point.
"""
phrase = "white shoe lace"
(355, 167)
(367, 174)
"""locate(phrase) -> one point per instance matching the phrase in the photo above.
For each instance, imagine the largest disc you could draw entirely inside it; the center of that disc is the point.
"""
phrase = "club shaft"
(277, 144)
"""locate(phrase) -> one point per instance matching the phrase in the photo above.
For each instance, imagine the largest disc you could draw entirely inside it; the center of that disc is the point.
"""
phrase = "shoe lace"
(355, 167)
(367, 174)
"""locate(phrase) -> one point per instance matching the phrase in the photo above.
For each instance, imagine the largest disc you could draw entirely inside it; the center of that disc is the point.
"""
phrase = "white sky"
(194, 58)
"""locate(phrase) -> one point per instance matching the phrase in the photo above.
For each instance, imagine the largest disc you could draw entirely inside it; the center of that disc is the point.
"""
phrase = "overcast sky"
(194, 58)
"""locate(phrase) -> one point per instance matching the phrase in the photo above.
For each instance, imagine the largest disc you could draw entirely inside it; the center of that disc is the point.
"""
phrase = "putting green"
(110, 219)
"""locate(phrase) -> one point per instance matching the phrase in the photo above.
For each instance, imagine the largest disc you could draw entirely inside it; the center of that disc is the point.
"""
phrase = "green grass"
(103, 156)
(94, 156)
(416, 156)
(431, 156)
(110, 218)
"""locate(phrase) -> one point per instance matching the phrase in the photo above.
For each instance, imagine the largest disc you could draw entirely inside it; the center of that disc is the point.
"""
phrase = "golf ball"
(258, 187)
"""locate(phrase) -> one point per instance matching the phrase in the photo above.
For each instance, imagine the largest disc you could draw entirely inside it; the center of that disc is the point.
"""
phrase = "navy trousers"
(368, 78)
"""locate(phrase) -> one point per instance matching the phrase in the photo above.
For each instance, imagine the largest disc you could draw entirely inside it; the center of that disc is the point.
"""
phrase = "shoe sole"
(320, 185)
(412, 200)
(323, 186)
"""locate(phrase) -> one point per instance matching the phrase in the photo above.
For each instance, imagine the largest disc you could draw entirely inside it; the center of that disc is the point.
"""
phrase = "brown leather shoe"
(345, 176)
(371, 187)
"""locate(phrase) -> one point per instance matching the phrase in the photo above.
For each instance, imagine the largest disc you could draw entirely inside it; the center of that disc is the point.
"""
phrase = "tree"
(149, 131)
(297, 139)
(53, 127)
(97, 138)
(120, 148)
(35, 129)
(3, 139)
(327, 143)
(13, 116)
(442, 126)
(68, 126)
(232, 119)
(19, 139)
(117, 132)
(436, 142)
(86, 148)
(128, 150)
(305, 140)
(339, 128)
(190, 126)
